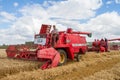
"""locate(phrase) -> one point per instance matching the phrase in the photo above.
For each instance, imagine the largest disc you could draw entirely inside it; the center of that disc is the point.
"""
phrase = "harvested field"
(93, 66)
(12, 66)
(2, 53)
(110, 74)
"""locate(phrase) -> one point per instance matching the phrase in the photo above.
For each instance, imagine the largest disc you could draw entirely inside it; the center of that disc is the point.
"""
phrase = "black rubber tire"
(63, 54)
(78, 57)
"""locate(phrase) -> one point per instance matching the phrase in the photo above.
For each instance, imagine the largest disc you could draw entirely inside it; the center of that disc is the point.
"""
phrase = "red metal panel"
(45, 29)
(51, 55)
(114, 39)
(78, 42)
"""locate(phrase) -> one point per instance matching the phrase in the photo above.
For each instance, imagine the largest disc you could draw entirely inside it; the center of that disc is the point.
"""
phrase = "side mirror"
(90, 35)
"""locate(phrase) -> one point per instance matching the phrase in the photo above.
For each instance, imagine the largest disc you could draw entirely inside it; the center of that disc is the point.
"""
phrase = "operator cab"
(45, 37)
(39, 40)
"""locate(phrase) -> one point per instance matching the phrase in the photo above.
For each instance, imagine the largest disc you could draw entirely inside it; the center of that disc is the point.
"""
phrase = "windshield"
(39, 40)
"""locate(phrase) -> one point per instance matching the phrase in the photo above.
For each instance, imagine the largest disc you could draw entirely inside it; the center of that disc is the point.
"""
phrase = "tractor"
(53, 51)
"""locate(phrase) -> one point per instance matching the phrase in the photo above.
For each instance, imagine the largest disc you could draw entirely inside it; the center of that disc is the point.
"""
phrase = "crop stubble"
(90, 64)
(12, 66)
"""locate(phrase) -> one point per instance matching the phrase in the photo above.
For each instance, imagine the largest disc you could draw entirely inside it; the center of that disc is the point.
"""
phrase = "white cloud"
(22, 29)
(19, 32)
(109, 2)
(6, 17)
(117, 1)
(104, 25)
(77, 9)
(15, 4)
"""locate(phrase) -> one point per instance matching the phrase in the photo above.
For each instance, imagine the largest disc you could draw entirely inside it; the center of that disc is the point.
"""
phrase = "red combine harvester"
(68, 45)
(102, 45)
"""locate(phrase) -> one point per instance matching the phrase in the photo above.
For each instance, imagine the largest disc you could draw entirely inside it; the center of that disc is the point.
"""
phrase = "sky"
(21, 19)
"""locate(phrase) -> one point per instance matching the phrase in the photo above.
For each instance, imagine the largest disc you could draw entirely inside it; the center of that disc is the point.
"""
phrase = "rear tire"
(63, 57)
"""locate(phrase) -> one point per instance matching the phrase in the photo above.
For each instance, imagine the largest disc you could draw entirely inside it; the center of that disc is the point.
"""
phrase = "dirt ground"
(92, 66)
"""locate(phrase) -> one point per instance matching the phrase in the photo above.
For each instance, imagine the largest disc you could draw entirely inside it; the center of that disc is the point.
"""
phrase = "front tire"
(78, 57)
(63, 57)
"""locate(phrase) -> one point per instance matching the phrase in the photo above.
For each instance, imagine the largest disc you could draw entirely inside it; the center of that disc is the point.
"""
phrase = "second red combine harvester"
(68, 45)
(102, 45)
